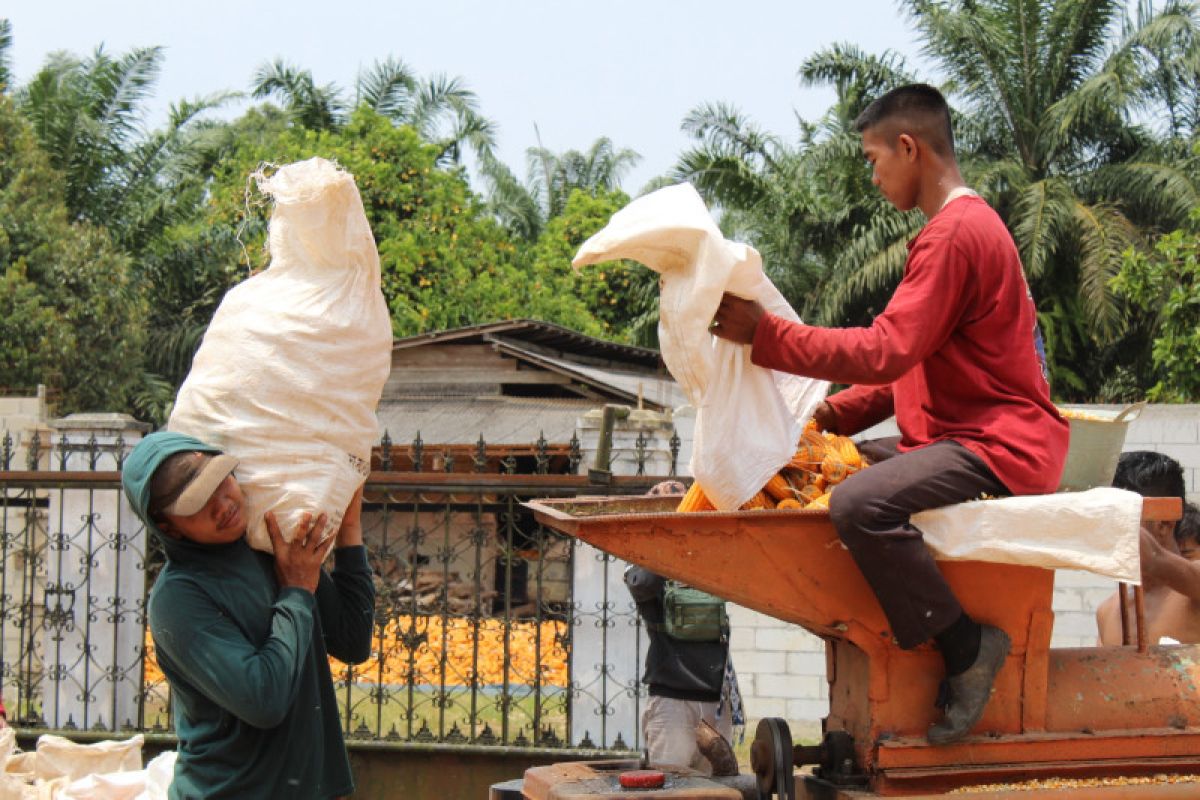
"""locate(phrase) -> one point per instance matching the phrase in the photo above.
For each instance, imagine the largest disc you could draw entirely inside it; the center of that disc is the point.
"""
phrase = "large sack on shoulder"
(294, 361)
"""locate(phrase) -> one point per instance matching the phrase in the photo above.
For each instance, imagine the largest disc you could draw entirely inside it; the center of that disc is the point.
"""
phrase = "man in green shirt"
(243, 637)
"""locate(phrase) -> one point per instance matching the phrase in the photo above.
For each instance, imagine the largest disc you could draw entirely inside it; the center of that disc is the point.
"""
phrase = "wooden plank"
(442, 355)
(455, 374)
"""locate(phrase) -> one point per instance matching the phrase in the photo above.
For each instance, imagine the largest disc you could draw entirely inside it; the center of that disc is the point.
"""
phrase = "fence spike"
(385, 452)
(675, 443)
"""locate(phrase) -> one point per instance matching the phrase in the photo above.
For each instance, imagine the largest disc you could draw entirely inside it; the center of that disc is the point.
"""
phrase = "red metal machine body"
(1078, 712)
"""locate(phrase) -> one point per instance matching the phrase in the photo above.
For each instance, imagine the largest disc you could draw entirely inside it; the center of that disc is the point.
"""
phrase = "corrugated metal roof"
(543, 334)
(501, 420)
(663, 392)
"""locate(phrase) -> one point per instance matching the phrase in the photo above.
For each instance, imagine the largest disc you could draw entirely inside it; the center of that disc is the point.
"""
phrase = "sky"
(564, 71)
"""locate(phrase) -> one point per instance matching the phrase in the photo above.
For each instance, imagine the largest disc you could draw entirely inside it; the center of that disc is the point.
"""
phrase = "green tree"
(1054, 96)
(87, 117)
(70, 316)
(446, 262)
(1166, 282)
(622, 296)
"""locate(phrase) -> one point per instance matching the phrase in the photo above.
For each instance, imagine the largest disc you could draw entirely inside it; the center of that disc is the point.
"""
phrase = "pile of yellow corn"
(1075, 783)
(456, 637)
(821, 461)
(1073, 413)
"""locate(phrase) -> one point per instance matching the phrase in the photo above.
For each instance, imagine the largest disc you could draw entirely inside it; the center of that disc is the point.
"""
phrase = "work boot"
(969, 692)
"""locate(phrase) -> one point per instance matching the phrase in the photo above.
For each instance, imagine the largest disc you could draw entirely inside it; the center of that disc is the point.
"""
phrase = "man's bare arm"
(1162, 564)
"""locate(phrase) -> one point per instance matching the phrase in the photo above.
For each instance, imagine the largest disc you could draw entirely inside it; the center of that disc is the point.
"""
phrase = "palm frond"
(857, 78)
(872, 262)
(120, 88)
(1103, 235)
(6, 41)
(1041, 220)
(1157, 195)
(722, 128)
(387, 86)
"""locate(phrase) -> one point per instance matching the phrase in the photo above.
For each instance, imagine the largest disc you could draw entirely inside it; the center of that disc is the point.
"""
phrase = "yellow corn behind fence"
(821, 461)
(451, 640)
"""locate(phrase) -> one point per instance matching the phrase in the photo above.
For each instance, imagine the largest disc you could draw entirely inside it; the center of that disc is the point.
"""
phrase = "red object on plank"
(642, 779)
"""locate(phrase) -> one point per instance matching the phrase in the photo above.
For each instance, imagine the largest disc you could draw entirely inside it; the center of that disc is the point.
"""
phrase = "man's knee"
(851, 512)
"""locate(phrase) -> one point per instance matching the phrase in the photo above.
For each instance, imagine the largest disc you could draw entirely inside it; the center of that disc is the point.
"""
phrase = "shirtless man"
(1187, 533)
(1170, 582)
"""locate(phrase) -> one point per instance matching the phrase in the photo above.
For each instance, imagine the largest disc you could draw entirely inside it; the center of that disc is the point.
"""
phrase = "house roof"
(612, 371)
(544, 335)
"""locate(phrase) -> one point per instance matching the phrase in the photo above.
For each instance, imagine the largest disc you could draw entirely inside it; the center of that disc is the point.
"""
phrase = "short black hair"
(1188, 526)
(1150, 474)
(917, 109)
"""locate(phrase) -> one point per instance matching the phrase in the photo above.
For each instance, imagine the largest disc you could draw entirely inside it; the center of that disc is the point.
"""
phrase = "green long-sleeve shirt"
(247, 662)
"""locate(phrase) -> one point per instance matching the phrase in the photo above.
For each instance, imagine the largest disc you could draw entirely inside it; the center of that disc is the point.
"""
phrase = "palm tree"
(440, 108)
(87, 116)
(525, 208)
(5, 58)
(1056, 98)
(799, 203)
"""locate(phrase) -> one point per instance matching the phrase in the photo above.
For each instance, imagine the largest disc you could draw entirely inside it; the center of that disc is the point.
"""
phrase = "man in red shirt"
(956, 356)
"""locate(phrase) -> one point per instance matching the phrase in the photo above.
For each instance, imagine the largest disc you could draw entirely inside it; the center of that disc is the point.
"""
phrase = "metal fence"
(481, 613)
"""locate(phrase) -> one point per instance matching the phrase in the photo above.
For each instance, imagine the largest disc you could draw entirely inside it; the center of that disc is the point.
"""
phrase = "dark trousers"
(871, 509)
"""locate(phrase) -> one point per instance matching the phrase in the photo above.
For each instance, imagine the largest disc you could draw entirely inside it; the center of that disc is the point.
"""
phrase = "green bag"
(691, 615)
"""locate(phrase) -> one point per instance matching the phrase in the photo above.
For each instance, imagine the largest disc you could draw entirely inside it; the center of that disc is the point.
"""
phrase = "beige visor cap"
(196, 482)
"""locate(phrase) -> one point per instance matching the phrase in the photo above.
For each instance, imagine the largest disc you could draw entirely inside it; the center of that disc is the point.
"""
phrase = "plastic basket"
(1096, 443)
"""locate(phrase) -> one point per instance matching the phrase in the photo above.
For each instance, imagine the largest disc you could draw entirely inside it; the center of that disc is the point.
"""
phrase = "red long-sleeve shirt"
(954, 355)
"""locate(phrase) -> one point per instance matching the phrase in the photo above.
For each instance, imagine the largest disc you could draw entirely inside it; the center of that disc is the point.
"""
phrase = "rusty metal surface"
(1155, 791)
(1094, 711)
(598, 780)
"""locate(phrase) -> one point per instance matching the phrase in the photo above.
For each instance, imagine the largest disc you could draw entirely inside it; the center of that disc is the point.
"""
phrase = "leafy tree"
(1056, 107)
(621, 295)
(446, 262)
(70, 316)
(1166, 281)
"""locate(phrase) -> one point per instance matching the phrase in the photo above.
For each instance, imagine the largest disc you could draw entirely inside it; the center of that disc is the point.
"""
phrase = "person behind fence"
(957, 358)
(1170, 581)
(692, 700)
(242, 636)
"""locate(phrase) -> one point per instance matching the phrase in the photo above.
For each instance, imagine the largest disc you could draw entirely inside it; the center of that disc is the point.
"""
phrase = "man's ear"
(906, 145)
(164, 525)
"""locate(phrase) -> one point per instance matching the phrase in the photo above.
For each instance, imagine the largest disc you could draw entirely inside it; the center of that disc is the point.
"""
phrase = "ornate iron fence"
(486, 633)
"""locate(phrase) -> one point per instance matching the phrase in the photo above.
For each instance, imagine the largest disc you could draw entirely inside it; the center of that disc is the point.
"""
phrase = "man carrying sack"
(242, 635)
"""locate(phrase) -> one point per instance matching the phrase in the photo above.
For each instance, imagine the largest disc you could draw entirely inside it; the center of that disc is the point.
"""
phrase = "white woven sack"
(748, 419)
(295, 359)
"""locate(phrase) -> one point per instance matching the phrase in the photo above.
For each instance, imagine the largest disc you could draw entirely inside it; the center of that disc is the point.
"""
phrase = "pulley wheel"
(771, 760)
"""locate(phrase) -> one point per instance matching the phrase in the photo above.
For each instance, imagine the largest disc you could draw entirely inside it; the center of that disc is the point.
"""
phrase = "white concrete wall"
(781, 667)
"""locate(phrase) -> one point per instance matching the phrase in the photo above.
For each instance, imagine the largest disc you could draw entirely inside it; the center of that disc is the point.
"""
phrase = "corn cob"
(759, 501)
(695, 500)
(846, 451)
(778, 488)
(820, 502)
